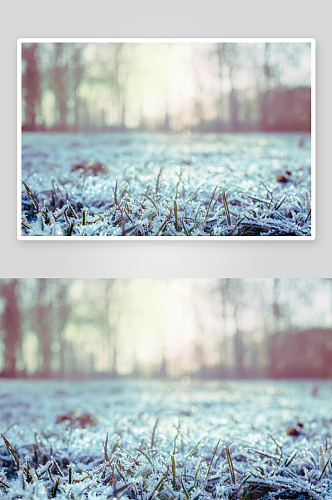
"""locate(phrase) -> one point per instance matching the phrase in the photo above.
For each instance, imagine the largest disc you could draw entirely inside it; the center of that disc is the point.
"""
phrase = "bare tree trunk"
(238, 347)
(224, 291)
(43, 324)
(234, 110)
(78, 74)
(265, 94)
(115, 357)
(11, 324)
(107, 327)
(63, 316)
(163, 364)
(221, 60)
(236, 293)
(199, 348)
(110, 334)
(60, 84)
(31, 84)
(273, 339)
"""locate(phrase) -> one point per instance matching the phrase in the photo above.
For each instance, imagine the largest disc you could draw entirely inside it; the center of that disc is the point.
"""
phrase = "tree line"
(99, 328)
(235, 87)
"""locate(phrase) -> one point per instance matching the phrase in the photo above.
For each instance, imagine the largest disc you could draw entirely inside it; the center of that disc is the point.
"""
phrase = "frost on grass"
(166, 185)
(145, 440)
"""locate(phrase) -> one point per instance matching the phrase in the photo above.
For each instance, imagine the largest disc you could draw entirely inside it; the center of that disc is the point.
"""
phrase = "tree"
(11, 325)
(237, 298)
(111, 314)
(198, 104)
(42, 323)
(266, 94)
(119, 83)
(273, 335)
(31, 84)
(232, 53)
(108, 334)
(78, 71)
(62, 314)
(223, 292)
(60, 85)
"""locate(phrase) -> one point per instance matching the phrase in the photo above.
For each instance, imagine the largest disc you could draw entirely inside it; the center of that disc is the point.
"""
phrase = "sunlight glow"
(148, 84)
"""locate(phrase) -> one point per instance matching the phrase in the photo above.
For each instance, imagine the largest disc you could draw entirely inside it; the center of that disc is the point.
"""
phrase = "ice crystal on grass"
(141, 440)
(131, 189)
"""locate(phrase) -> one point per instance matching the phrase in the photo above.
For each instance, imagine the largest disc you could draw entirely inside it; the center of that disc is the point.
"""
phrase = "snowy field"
(163, 440)
(166, 185)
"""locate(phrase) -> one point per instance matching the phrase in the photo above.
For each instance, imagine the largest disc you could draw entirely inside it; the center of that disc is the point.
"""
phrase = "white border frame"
(312, 41)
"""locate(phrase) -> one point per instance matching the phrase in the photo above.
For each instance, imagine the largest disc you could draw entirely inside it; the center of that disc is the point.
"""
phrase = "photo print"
(165, 388)
(161, 138)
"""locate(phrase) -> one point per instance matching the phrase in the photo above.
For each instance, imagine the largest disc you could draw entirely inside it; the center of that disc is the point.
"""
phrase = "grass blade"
(119, 471)
(70, 475)
(150, 199)
(158, 178)
(268, 191)
(215, 451)
(130, 230)
(278, 204)
(127, 214)
(230, 464)
(308, 215)
(196, 476)
(174, 471)
(195, 448)
(11, 451)
(164, 223)
(105, 448)
(184, 226)
(228, 216)
(171, 492)
(159, 484)
(115, 493)
(197, 212)
(55, 489)
(116, 445)
(153, 433)
(145, 455)
(193, 195)
(290, 459)
(243, 482)
(208, 209)
(320, 477)
(57, 468)
(33, 199)
(70, 229)
(73, 211)
(248, 493)
(184, 489)
(176, 215)
(84, 212)
(115, 197)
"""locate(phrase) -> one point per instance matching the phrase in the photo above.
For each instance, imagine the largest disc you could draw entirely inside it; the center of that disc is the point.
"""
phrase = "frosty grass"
(164, 440)
(166, 185)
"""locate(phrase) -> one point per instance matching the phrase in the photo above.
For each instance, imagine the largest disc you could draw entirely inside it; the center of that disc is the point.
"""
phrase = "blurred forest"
(167, 87)
(166, 328)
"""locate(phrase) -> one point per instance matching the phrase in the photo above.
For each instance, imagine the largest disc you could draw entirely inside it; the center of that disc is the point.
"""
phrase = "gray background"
(159, 18)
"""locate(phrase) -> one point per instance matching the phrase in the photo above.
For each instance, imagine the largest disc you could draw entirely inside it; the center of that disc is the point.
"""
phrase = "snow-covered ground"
(223, 185)
(166, 440)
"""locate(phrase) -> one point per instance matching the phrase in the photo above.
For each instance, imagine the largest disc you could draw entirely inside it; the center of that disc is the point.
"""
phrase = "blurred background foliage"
(166, 328)
(172, 87)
